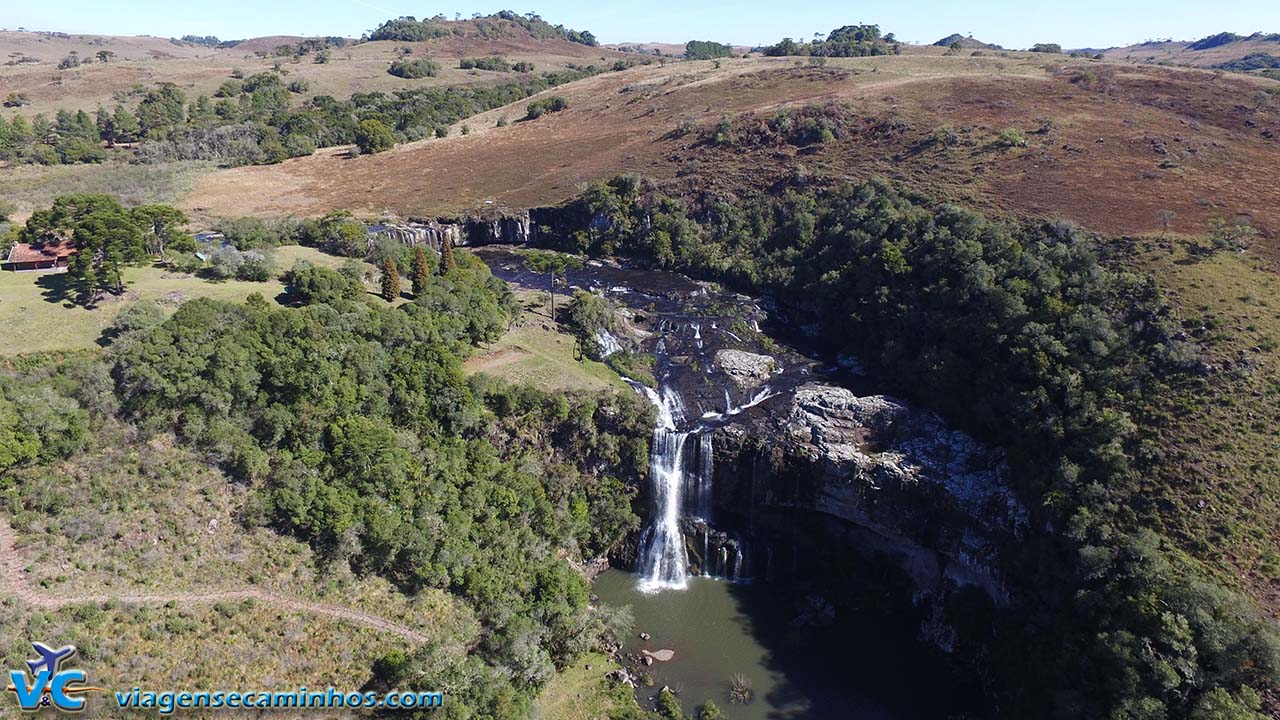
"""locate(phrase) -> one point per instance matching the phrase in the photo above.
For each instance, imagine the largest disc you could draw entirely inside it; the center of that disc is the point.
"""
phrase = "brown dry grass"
(1102, 166)
(1180, 52)
(143, 61)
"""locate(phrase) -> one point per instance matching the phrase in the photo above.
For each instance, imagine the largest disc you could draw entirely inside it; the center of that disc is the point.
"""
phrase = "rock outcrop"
(904, 483)
(747, 370)
(502, 229)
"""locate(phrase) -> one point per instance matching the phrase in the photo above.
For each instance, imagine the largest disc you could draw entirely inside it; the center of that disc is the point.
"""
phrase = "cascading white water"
(662, 564)
(706, 468)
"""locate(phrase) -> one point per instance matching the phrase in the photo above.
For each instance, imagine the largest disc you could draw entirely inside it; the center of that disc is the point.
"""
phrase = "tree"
(163, 107)
(106, 240)
(125, 125)
(552, 264)
(372, 136)
(161, 228)
(312, 284)
(390, 280)
(1164, 218)
(421, 270)
(105, 55)
(447, 263)
(412, 69)
(706, 50)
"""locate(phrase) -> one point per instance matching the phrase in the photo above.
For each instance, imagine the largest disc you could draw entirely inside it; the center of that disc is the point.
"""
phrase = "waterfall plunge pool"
(868, 670)
(861, 662)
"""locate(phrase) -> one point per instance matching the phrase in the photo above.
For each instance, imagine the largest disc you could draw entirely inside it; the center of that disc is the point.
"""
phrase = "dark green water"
(856, 670)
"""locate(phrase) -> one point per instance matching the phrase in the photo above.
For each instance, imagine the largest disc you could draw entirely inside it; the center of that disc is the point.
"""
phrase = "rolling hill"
(1213, 51)
(140, 62)
(1105, 145)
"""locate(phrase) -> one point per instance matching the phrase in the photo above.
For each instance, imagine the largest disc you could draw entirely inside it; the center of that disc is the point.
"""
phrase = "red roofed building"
(39, 256)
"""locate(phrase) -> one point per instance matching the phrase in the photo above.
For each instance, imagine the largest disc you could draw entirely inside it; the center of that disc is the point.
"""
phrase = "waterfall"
(706, 571)
(662, 563)
(608, 342)
(706, 469)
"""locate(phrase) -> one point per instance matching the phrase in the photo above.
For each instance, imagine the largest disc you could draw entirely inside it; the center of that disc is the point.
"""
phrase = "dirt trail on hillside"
(13, 581)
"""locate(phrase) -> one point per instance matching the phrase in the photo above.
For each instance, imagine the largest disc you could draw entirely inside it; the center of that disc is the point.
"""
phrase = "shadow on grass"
(58, 288)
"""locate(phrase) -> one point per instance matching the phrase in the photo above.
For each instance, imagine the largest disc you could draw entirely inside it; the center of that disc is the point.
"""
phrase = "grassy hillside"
(1218, 493)
(126, 520)
(39, 315)
(1207, 52)
(198, 70)
(1105, 145)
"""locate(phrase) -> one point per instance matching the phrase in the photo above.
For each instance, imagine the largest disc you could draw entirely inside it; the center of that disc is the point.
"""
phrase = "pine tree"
(421, 271)
(390, 280)
(447, 263)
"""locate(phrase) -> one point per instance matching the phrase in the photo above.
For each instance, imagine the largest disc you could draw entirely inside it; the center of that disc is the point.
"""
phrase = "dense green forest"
(359, 432)
(409, 28)
(254, 120)
(1024, 336)
(847, 41)
(706, 50)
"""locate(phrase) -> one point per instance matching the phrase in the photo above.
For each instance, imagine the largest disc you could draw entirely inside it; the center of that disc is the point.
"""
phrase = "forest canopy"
(1024, 336)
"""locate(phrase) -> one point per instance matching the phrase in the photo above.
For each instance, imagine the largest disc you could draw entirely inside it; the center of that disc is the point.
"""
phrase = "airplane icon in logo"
(49, 658)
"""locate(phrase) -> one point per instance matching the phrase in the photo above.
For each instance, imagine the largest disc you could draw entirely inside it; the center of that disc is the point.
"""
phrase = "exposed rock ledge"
(747, 370)
(914, 488)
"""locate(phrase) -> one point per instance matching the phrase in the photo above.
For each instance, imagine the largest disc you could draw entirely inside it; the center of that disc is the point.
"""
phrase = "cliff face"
(507, 229)
(887, 478)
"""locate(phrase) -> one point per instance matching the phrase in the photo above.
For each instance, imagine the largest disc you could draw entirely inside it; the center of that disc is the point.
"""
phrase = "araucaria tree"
(390, 280)
(552, 264)
(421, 270)
(447, 263)
(106, 235)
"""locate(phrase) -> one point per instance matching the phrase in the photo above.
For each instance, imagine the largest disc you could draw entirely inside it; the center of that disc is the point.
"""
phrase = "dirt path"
(13, 581)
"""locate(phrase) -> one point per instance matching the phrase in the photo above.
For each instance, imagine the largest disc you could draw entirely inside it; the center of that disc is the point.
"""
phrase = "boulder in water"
(659, 655)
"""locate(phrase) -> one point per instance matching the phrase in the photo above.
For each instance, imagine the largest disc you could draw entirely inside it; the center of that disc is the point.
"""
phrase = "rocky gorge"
(773, 439)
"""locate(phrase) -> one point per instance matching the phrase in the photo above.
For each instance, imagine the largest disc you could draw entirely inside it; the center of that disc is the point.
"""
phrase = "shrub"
(1011, 137)
(256, 266)
(299, 146)
(311, 284)
(538, 108)
(494, 64)
(374, 137)
(416, 68)
(228, 89)
(78, 150)
(723, 133)
(42, 154)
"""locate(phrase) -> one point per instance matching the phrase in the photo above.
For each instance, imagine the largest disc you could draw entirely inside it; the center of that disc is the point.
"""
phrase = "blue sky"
(1012, 23)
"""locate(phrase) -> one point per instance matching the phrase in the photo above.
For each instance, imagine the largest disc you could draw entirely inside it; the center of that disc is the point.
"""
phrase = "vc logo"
(48, 684)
